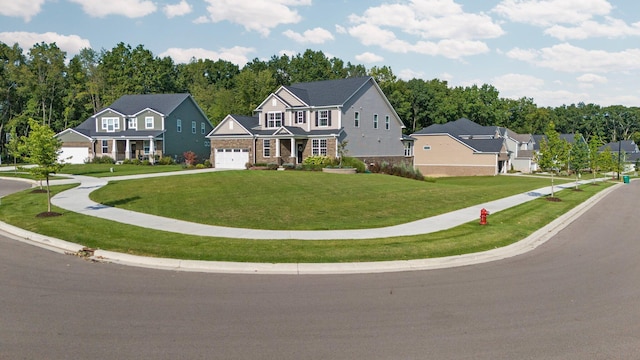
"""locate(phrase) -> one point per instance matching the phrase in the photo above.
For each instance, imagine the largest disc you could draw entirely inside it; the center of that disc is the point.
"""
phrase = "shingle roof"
(327, 92)
(628, 146)
(162, 103)
(460, 127)
(485, 145)
(252, 124)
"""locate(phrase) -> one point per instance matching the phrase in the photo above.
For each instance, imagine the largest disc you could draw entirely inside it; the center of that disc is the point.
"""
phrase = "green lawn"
(104, 170)
(300, 200)
(503, 228)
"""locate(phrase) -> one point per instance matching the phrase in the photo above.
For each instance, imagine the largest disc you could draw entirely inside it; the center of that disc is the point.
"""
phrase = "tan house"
(459, 148)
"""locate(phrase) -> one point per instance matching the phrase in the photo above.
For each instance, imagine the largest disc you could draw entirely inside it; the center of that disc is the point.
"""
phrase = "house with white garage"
(313, 118)
(145, 127)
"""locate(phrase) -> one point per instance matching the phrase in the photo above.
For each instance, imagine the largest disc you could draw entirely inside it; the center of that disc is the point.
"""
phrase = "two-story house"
(313, 118)
(145, 127)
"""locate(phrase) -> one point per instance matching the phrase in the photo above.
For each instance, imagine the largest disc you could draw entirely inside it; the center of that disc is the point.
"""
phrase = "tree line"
(42, 84)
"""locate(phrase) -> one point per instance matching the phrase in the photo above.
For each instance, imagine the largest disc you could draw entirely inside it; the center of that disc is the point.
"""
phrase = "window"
(266, 148)
(274, 119)
(179, 125)
(408, 148)
(230, 124)
(148, 122)
(426, 147)
(193, 127)
(110, 124)
(133, 124)
(207, 143)
(300, 117)
(375, 121)
(319, 147)
(105, 146)
(145, 146)
(323, 118)
(202, 128)
(356, 119)
(386, 122)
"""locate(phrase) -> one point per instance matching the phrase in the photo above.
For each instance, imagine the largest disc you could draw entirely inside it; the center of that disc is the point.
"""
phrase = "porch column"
(152, 149)
(294, 151)
(127, 150)
(277, 147)
(114, 150)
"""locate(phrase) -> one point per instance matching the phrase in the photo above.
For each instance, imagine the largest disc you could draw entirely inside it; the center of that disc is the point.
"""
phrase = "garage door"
(73, 155)
(231, 158)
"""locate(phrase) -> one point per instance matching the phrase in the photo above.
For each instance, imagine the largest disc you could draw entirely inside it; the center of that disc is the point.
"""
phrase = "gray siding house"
(145, 127)
(308, 119)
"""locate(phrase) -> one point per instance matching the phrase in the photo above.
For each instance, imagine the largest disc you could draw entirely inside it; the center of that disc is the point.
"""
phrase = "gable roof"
(327, 92)
(162, 103)
(628, 146)
(460, 127)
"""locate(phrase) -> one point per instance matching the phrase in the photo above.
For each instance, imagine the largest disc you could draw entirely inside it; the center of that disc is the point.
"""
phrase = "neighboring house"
(313, 118)
(520, 150)
(629, 151)
(460, 148)
(146, 127)
(569, 138)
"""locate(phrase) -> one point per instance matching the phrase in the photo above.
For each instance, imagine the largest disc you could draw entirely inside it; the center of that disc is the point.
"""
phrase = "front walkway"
(77, 200)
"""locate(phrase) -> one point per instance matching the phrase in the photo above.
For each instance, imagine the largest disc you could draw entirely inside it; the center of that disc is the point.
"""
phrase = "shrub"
(353, 163)
(317, 160)
(166, 160)
(403, 170)
(136, 162)
(200, 166)
(207, 163)
(103, 160)
(126, 162)
(190, 158)
(288, 166)
(272, 166)
(145, 162)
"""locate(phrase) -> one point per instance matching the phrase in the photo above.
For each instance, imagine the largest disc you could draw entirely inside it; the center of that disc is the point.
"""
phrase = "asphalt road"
(575, 297)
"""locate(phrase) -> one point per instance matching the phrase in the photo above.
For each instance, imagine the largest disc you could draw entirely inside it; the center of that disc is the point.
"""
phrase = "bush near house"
(102, 160)
(190, 158)
(402, 170)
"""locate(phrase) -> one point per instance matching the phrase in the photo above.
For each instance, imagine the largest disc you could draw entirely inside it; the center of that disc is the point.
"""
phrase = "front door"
(299, 151)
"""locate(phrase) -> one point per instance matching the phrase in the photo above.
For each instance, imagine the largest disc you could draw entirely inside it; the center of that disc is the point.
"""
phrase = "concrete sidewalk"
(77, 200)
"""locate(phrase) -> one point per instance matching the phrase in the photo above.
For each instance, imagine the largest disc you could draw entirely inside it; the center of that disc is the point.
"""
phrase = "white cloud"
(613, 28)
(237, 54)
(341, 29)
(25, 9)
(517, 85)
(128, 8)
(313, 36)
(201, 20)
(289, 53)
(179, 9)
(257, 15)
(433, 27)
(551, 12)
(71, 44)
(592, 79)
(368, 57)
(408, 74)
(569, 58)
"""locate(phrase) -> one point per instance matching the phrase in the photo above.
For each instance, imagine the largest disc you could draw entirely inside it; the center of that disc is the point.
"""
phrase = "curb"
(527, 244)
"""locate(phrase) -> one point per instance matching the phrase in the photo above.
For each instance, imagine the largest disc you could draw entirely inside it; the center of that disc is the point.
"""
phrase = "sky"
(557, 52)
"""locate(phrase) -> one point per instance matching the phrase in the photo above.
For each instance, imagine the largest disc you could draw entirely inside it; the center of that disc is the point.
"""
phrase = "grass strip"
(503, 228)
(304, 200)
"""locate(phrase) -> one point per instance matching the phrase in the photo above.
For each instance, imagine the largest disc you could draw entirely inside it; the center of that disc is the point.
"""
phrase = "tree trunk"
(48, 195)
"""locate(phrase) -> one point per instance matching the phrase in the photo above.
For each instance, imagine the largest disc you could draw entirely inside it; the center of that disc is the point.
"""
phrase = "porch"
(129, 149)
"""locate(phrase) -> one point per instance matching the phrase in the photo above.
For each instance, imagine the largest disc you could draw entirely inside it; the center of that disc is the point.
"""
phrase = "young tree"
(594, 154)
(553, 153)
(579, 156)
(41, 148)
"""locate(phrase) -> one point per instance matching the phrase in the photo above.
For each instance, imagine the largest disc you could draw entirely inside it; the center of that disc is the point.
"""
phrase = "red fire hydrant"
(483, 216)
